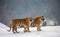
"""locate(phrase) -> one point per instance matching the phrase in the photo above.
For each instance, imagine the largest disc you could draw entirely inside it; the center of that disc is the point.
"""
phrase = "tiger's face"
(42, 18)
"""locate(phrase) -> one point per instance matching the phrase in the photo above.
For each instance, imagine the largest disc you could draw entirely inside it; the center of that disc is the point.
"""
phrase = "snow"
(47, 31)
(50, 22)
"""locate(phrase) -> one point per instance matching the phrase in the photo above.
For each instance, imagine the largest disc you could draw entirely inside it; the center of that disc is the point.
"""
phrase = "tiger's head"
(41, 17)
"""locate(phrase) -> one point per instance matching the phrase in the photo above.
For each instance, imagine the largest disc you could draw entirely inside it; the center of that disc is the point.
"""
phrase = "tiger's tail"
(10, 28)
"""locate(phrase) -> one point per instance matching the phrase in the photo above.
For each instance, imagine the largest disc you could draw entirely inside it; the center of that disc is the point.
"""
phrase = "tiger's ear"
(42, 16)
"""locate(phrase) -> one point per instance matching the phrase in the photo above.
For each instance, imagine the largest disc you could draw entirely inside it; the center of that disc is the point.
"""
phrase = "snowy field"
(47, 31)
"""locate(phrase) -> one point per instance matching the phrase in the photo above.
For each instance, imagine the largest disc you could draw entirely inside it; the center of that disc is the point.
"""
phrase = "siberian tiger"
(19, 21)
(37, 22)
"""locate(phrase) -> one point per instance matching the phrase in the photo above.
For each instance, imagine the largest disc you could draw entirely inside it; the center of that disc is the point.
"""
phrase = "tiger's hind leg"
(25, 29)
(13, 28)
(16, 29)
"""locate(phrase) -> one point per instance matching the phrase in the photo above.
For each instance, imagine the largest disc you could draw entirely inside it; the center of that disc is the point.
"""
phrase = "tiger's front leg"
(26, 29)
(38, 27)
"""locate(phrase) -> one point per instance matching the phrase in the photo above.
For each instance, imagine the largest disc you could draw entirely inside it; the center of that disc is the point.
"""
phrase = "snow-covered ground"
(47, 31)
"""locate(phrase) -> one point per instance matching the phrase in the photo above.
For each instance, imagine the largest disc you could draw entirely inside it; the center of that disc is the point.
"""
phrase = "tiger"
(19, 21)
(37, 22)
